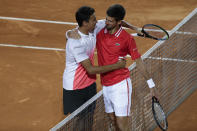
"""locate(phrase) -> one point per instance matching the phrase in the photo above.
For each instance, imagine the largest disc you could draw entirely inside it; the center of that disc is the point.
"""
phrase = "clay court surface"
(31, 79)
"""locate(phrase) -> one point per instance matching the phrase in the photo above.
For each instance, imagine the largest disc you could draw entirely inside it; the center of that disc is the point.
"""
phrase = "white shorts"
(117, 98)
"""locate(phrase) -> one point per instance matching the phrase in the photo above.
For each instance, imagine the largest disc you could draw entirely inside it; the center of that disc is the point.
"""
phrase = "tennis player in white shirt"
(80, 73)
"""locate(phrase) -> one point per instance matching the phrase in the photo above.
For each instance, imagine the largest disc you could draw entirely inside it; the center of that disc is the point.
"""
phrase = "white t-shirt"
(75, 76)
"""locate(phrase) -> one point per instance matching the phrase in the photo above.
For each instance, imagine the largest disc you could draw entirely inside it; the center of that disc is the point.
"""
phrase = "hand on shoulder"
(73, 34)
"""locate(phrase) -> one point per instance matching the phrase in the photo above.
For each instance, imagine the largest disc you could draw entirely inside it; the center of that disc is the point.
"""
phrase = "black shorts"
(73, 99)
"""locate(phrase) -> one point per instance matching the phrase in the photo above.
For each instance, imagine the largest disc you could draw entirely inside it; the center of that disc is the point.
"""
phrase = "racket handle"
(134, 34)
(137, 34)
(142, 35)
(154, 99)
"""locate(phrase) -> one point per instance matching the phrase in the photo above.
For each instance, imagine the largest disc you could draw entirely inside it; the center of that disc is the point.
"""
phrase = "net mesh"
(173, 65)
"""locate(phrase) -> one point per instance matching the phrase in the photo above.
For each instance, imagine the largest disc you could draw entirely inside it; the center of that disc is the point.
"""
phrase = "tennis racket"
(154, 32)
(159, 114)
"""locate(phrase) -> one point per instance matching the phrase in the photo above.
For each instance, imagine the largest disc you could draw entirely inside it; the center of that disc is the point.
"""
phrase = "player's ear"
(85, 23)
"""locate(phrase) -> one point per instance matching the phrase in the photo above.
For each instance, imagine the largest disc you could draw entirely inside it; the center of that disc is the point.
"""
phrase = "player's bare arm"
(130, 26)
(102, 69)
(75, 35)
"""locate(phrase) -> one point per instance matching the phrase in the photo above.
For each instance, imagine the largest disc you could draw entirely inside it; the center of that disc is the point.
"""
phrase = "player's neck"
(83, 30)
(112, 31)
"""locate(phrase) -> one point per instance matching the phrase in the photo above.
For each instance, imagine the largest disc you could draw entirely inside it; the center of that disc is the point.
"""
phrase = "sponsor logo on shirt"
(117, 44)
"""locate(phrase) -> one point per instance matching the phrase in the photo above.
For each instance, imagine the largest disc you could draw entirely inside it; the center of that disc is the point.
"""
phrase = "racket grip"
(140, 34)
(154, 99)
(150, 83)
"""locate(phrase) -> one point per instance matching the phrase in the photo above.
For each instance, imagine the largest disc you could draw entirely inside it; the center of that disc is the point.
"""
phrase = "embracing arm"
(130, 26)
(102, 69)
(74, 34)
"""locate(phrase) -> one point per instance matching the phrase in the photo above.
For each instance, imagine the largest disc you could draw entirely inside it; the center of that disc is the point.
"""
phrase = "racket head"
(155, 32)
(159, 114)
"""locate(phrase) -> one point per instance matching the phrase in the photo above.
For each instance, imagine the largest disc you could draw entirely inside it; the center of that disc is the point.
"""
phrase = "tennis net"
(173, 65)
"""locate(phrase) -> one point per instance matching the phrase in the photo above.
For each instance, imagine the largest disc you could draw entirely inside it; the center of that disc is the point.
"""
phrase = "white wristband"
(150, 83)
(121, 58)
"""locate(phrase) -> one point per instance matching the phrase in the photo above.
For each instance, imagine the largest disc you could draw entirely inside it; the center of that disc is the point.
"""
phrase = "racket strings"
(156, 32)
(160, 115)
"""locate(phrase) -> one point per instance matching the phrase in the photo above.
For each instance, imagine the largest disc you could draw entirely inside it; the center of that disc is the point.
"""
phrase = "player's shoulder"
(73, 40)
(101, 32)
(73, 43)
(125, 34)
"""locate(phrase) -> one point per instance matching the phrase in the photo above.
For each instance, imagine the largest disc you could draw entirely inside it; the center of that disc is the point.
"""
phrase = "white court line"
(171, 59)
(37, 47)
(177, 32)
(54, 22)
(72, 23)
(32, 47)
(36, 20)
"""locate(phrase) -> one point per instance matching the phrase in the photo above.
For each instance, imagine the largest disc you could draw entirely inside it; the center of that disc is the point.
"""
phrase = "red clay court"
(32, 59)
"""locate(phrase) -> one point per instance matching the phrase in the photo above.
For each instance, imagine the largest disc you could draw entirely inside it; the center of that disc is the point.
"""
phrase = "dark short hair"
(116, 11)
(83, 14)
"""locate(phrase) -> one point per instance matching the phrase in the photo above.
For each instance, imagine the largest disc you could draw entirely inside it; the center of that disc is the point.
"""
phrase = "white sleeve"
(78, 50)
(99, 26)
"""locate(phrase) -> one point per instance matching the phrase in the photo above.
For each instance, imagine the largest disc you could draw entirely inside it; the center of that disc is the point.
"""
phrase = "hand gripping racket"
(159, 114)
(154, 32)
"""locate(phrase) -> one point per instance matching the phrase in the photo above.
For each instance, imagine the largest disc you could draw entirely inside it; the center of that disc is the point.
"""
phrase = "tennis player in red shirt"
(114, 42)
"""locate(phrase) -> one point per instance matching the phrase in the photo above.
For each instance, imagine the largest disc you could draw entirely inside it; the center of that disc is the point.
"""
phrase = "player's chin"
(92, 30)
(108, 27)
